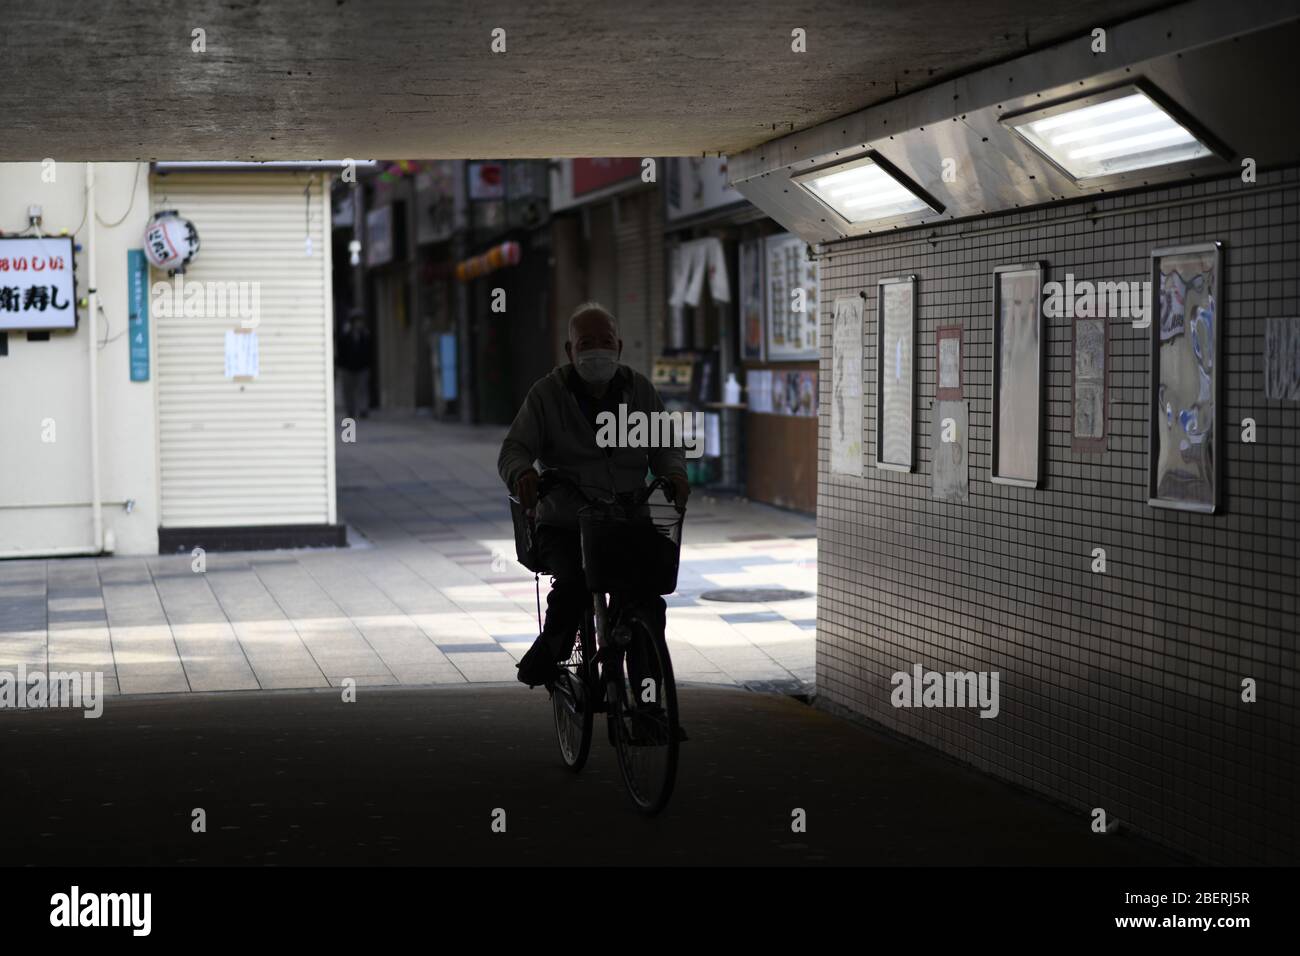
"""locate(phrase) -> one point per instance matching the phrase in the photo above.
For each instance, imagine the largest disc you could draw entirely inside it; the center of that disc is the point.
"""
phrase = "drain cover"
(754, 595)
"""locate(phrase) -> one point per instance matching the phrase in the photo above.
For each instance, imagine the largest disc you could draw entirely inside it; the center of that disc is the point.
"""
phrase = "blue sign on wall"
(137, 308)
(447, 358)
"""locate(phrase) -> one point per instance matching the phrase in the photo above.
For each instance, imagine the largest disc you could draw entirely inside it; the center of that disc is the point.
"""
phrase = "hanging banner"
(498, 257)
(137, 313)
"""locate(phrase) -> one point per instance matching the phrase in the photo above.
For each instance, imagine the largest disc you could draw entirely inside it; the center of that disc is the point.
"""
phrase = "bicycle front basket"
(525, 538)
(631, 549)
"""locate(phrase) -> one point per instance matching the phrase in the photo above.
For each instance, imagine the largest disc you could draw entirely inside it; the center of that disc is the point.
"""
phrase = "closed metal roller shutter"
(602, 262)
(260, 452)
(639, 237)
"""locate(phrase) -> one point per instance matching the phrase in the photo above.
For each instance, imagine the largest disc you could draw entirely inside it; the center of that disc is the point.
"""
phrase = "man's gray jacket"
(552, 430)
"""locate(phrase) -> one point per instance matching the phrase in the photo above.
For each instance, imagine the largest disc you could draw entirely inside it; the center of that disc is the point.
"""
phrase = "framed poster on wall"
(1090, 399)
(846, 386)
(1186, 352)
(948, 349)
(1282, 359)
(895, 371)
(792, 287)
(1019, 337)
(949, 476)
(752, 300)
(794, 394)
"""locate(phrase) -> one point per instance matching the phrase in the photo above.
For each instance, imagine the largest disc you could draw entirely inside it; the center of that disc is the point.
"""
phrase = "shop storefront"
(78, 423)
(505, 279)
(440, 221)
(779, 303)
(166, 381)
(699, 354)
(734, 314)
(607, 236)
(402, 367)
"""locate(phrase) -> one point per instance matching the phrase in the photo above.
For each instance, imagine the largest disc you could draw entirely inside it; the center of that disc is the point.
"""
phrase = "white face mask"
(596, 366)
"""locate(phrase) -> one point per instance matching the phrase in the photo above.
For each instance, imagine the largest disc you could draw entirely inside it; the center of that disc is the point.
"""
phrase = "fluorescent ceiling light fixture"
(1120, 132)
(863, 190)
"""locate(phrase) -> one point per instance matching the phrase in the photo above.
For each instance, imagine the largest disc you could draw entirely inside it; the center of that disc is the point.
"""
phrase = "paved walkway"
(413, 777)
(429, 593)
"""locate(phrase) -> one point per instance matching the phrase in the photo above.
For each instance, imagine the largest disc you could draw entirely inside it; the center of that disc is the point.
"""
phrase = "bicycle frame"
(611, 631)
(600, 606)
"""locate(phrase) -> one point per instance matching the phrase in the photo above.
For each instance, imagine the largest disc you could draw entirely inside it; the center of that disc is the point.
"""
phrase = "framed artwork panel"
(895, 371)
(1090, 394)
(846, 385)
(1019, 343)
(1282, 359)
(948, 363)
(1185, 384)
(791, 334)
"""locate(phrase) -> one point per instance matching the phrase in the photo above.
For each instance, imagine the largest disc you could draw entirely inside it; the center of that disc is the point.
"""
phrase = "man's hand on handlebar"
(681, 490)
(526, 490)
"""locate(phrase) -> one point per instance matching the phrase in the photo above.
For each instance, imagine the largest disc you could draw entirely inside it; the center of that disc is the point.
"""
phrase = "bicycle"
(619, 664)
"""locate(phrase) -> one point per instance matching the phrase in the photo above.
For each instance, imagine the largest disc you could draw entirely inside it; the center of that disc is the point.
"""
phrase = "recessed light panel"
(1119, 135)
(862, 191)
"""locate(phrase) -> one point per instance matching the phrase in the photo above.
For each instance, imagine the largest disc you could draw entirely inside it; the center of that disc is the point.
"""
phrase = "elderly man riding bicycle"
(557, 428)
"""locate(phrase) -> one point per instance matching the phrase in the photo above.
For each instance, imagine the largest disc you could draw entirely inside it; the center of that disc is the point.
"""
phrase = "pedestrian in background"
(353, 356)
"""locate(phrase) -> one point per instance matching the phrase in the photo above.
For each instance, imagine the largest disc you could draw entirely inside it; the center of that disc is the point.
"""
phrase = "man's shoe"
(537, 666)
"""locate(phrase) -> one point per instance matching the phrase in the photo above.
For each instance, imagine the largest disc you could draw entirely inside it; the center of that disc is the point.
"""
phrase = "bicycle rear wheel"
(571, 702)
(643, 717)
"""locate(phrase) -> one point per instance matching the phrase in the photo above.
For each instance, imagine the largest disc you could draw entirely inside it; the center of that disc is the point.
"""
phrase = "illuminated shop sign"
(37, 287)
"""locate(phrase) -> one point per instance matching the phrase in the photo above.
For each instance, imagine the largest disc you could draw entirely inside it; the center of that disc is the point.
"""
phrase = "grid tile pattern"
(1119, 690)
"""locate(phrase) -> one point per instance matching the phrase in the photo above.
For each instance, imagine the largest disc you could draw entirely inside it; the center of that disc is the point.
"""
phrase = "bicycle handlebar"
(551, 477)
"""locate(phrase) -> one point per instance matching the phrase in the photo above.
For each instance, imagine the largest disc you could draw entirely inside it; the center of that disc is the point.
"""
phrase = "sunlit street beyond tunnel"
(428, 593)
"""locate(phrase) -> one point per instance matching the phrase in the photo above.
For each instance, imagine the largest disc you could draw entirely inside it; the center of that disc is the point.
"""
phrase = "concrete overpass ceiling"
(312, 79)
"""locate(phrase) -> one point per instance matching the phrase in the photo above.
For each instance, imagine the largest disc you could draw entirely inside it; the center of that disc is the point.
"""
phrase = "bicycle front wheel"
(643, 717)
(571, 699)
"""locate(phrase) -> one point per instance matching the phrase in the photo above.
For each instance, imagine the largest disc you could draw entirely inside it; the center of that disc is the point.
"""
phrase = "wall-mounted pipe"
(92, 353)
